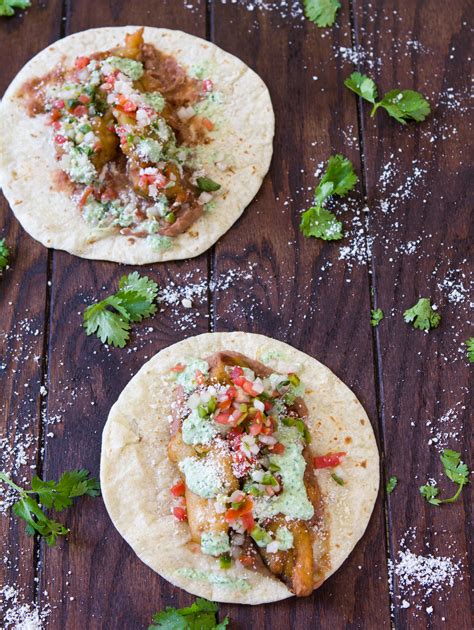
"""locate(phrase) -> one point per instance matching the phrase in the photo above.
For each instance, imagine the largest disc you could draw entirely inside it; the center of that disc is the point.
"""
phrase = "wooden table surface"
(407, 236)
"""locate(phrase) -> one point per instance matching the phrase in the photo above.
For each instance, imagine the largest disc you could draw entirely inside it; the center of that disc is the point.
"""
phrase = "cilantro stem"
(374, 109)
(455, 496)
(8, 481)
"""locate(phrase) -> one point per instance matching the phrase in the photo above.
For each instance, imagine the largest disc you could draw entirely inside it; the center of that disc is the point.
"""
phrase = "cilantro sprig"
(403, 105)
(470, 349)
(376, 316)
(7, 7)
(51, 494)
(391, 484)
(199, 616)
(110, 318)
(454, 469)
(4, 253)
(321, 12)
(338, 179)
(422, 315)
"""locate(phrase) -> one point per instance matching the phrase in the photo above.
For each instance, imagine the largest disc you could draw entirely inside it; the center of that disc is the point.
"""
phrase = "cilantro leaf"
(199, 616)
(454, 469)
(404, 105)
(363, 86)
(141, 284)
(59, 495)
(321, 223)
(110, 319)
(206, 184)
(470, 349)
(338, 179)
(422, 315)
(338, 480)
(4, 253)
(340, 173)
(391, 484)
(430, 493)
(321, 12)
(376, 316)
(111, 326)
(7, 7)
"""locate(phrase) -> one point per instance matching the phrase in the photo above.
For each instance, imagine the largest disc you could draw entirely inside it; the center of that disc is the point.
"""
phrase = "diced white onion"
(185, 113)
(272, 547)
(258, 404)
(193, 401)
(238, 540)
(267, 439)
(220, 507)
(257, 386)
(110, 98)
(204, 197)
(236, 496)
(258, 475)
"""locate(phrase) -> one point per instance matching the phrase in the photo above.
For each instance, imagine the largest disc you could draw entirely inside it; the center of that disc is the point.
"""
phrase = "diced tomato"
(223, 418)
(245, 508)
(128, 107)
(200, 379)
(179, 367)
(331, 460)
(82, 62)
(236, 372)
(255, 428)
(231, 393)
(248, 521)
(58, 104)
(83, 98)
(207, 85)
(268, 405)
(224, 404)
(247, 386)
(178, 489)
(208, 124)
(180, 513)
(60, 139)
(56, 125)
(85, 196)
(247, 561)
(55, 115)
(80, 110)
(277, 449)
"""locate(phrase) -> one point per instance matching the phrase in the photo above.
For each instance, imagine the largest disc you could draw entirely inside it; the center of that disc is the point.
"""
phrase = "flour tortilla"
(136, 473)
(243, 139)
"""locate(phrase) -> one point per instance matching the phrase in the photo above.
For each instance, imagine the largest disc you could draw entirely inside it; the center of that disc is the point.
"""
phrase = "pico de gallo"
(124, 125)
(247, 487)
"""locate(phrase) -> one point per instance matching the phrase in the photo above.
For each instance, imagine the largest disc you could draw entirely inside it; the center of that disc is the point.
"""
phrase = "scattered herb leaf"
(422, 315)
(377, 316)
(338, 179)
(110, 319)
(470, 349)
(337, 479)
(199, 616)
(51, 494)
(403, 105)
(4, 253)
(321, 12)
(7, 7)
(206, 184)
(392, 484)
(454, 469)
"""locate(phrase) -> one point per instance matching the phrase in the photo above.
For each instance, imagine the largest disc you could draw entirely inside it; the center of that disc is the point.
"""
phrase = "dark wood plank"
(299, 290)
(97, 578)
(23, 291)
(422, 46)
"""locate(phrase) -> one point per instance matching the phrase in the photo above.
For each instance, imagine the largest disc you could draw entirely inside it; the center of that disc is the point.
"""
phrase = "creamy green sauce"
(293, 501)
(155, 100)
(202, 476)
(130, 67)
(150, 149)
(159, 243)
(215, 544)
(187, 378)
(197, 430)
(219, 579)
(284, 538)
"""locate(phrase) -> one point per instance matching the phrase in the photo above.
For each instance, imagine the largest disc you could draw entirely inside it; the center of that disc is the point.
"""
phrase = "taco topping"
(125, 125)
(240, 441)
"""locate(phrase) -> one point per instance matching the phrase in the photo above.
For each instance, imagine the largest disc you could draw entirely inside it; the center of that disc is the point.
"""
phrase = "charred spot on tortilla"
(136, 127)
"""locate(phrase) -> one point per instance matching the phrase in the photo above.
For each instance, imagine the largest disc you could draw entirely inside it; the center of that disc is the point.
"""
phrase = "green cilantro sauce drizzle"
(219, 579)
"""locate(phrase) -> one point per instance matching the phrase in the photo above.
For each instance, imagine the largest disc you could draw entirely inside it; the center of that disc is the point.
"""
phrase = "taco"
(238, 468)
(134, 145)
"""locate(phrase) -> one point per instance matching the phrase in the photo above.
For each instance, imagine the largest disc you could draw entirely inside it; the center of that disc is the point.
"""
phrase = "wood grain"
(23, 313)
(287, 295)
(423, 377)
